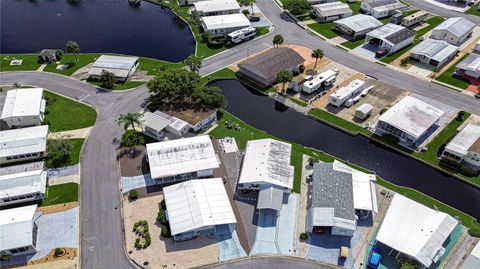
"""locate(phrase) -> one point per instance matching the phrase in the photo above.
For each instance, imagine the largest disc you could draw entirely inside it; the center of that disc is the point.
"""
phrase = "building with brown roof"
(262, 69)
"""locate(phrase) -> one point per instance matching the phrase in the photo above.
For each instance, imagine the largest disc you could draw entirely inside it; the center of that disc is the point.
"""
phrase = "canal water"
(263, 113)
(113, 26)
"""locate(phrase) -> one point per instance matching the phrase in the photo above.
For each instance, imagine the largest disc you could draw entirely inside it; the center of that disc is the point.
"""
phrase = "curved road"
(101, 228)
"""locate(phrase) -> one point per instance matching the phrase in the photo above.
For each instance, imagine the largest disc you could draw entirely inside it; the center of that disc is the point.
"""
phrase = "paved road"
(294, 34)
(273, 262)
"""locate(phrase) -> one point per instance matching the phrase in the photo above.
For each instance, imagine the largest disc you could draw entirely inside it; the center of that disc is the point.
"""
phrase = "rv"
(348, 92)
(324, 79)
(242, 34)
(415, 18)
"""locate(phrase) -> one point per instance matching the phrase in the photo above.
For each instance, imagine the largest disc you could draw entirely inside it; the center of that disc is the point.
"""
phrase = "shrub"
(133, 194)
(58, 251)
(383, 110)
(246, 12)
(131, 139)
(165, 232)
(303, 236)
(460, 115)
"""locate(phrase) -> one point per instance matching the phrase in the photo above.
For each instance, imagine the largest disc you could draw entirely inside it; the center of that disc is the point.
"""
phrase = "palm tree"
(193, 62)
(251, 2)
(317, 54)
(129, 120)
(284, 76)
(277, 40)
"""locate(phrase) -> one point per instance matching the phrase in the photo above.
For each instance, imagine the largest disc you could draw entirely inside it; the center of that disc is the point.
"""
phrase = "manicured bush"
(59, 251)
(133, 194)
(303, 236)
(383, 110)
(165, 232)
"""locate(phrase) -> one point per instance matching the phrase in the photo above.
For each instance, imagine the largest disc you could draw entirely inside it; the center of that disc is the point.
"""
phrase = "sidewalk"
(78, 133)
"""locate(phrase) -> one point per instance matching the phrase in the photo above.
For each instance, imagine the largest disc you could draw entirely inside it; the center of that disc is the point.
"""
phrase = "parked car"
(254, 18)
(381, 53)
(374, 258)
(477, 95)
(309, 178)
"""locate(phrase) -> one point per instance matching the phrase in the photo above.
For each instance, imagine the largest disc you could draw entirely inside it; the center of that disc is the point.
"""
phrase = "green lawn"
(30, 62)
(224, 73)
(298, 101)
(474, 10)
(447, 76)
(332, 119)
(351, 44)
(152, 66)
(77, 144)
(60, 194)
(355, 6)
(432, 22)
(325, 29)
(73, 65)
(410, 12)
(119, 86)
(63, 114)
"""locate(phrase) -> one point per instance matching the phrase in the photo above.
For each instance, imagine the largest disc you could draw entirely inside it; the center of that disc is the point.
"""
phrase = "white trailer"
(343, 94)
(363, 111)
(242, 34)
(323, 79)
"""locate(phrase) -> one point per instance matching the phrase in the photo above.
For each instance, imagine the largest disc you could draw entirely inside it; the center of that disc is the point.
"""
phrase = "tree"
(284, 76)
(107, 79)
(170, 84)
(129, 120)
(193, 62)
(59, 151)
(210, 96)
(131, 139)
(297, 7)
(59, 54)
(246, 12)
(317, 54)
(73, 47)
(195, 18)
(251, 2)
(277, 40)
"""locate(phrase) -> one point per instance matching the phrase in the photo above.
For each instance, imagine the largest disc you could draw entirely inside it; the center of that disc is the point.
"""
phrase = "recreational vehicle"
(343, 94)
(319, 81)
(417, 17)
(242, 34)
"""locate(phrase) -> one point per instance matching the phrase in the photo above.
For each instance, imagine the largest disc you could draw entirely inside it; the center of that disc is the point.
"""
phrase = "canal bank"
(262, 113)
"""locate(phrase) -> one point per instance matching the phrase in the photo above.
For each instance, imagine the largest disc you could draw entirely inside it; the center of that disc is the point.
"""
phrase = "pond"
(263, 113)
(96, 25)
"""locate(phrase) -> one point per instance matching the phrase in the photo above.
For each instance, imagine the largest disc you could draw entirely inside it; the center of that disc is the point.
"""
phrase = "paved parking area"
(130, 183)
(326, 247)
(228, 243)
(265, 240)
(287, 224)
(367, 50)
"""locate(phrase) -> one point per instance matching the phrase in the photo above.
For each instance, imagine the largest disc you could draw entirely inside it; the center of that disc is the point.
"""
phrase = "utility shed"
(390, 37)
(453, 30)
(18, 234)
(358, 25)
(434, 52)
(473, 259)
(332, 11)
(122, 67)
(222, 25)
(263, 68)
(22, 183)
(363, 111)
(469, 67)
(267, 164)
(182, 159)
(23, 107)
(23, 144)
(408, 120)
(465, 146)
(332, 201)
(197, 206)
(415, 230)
(217, 7)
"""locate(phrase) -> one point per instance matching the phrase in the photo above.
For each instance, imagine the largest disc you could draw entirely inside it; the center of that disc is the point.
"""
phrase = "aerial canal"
(96, 25)
(261, 112)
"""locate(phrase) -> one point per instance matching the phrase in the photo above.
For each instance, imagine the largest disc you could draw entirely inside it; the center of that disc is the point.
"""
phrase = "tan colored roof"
(187, 110)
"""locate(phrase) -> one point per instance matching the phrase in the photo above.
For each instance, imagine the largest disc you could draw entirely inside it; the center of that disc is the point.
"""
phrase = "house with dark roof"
(263, 68)
(380, 8)
(390, 37)
(453, 30)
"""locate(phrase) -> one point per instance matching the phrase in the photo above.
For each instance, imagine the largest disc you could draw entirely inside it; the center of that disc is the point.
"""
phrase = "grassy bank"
(63, 114)
(341, 123)
(61, 194)
(72, 64)
(474, 10)
(119, 86)
(449, 78)
(29, 62)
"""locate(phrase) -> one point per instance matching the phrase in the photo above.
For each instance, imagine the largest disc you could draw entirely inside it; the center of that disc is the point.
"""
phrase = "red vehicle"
(381, 53)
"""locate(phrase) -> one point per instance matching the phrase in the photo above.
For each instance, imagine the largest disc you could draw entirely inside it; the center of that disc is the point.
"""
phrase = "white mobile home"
(434, 52)
(380, 8)
(357, 25)
(267, 164)
(353, 89)
(453, 30)
(332, 11)
(222, 25)
(23, 144)
(319, 81)
(22, 183)
(465, 146)
(122, 67)
(23, 107)
(469, 67)
(217, 7)
(19, 231)
(390, 37)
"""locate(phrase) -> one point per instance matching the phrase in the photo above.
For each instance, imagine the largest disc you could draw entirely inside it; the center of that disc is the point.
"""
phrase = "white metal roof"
(180, 156)
(437, 50)
(359, 22)
(473, 259)
(389, 7)
(197, 203)
(462, 142)
(332, 9)
(347, 90)
(23, 183)
(216, 5)
(412, 116)
(318, 79)
(23, 140)
(120, 66)
(154, 121)
(267, 161)
(23, 102)
(16, 225)
(471, 63)
(414, 229)
(457, 26)
(385, 31)
(365, 108)
(225, 21)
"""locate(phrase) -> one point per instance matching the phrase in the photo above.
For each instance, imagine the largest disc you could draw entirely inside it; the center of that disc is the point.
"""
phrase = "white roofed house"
(357, 25)
(331, 11)
(121, 66)
(465, 146)
(18, 234)
(23, 144)
(182, 159)
(409, 120)
(22, 183)
(415, 231)
(380, 8)
(472, 261)
(267, 164)
(469, 67)
(222, 25)
(197, 207)
(434, 52)
(23, 107)
(453, 30)
(217, 7)
(390, 37)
